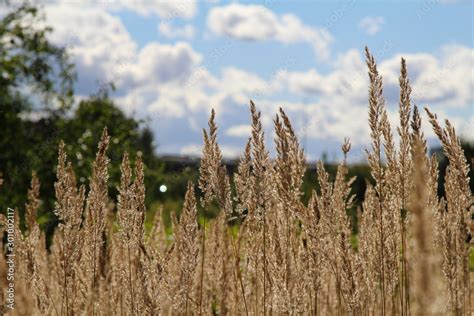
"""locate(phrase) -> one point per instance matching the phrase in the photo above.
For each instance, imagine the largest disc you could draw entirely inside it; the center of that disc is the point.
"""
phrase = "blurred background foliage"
(38, 108)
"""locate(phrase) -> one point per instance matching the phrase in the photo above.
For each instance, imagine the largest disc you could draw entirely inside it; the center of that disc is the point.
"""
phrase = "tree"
(33, 72)
(37, 110)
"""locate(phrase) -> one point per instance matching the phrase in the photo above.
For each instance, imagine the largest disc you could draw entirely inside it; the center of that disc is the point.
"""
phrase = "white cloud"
(310, 82)
(467, 128)
(159, 63)
(347, 79)
(186, 31)
(246, 22)
(98, 42)
(236, 81)
(170, 84)
(438, 80)
(371, 25)
(177, 9)
(441, 79)
(239, 130)
(231, 152)
(195, 150)
(164, 9)
(104, 51)
(256, 23)
(292, 30)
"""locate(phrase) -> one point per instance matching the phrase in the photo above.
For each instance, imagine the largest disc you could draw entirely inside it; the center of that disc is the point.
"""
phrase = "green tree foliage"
(81, 134)
(37, 110)
(468, 148)
(29, 60)
(33, 71)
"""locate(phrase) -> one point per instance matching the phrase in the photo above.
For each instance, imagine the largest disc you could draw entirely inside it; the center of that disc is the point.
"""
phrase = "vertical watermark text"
(10, 256)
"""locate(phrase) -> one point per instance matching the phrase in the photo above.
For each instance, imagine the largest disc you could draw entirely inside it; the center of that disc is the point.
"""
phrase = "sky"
(174, 61)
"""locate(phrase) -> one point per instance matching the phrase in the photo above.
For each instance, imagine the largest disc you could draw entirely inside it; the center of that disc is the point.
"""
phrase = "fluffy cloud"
(371, 25)
(160, 63)
(439, 80)
(467, 129)
(164, 9)
(92, 37)
(187, 31)
(246, 22)
(235, 81)
(195, 150)
(104, 51)
(347, 79)
(171, 84)
(239, 130)
(338, 105)
(256, 22)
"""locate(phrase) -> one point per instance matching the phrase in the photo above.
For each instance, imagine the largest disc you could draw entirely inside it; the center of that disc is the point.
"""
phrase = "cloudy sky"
(172, 61)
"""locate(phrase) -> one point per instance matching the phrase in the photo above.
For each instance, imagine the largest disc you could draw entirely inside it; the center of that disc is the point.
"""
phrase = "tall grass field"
(266, 252)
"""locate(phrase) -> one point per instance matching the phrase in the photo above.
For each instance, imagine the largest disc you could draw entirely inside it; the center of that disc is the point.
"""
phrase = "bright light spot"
(163, 188)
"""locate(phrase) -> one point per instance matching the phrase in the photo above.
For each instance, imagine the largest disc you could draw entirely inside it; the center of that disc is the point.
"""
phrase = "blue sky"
(415, 26)
(173, 61)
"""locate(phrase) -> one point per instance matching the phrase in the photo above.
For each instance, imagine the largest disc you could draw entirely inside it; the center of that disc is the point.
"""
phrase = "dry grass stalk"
(454, 219)
(67, 249)
(266, 252)
(424, 256)
(187, 246)
(95, 218)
